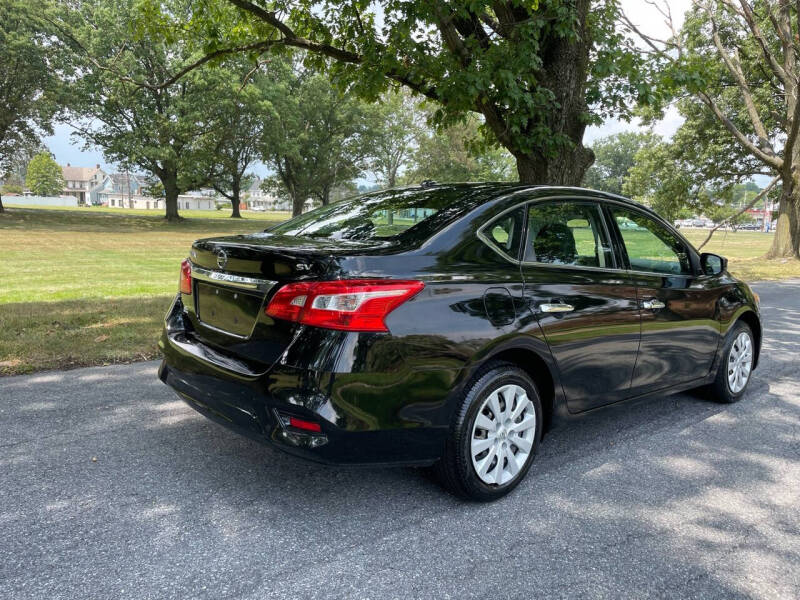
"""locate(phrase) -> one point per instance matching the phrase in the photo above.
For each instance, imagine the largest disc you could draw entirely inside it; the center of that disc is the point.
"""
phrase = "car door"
(585, 303)
(680, 332)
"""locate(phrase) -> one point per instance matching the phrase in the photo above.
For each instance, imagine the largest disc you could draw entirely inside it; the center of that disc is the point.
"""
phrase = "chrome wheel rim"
(503, 435)
(740, 362)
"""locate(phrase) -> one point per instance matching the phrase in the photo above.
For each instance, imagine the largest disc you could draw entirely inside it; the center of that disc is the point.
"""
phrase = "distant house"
(256, 198)
(79, 182)
(118, 185)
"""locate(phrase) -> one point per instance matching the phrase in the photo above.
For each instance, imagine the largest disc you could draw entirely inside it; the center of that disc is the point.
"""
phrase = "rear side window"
(650, 245)
(505, 233)
(567, 233)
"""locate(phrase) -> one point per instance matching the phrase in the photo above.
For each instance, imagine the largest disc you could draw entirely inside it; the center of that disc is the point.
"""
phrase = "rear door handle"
(556, 307)
(653, 304)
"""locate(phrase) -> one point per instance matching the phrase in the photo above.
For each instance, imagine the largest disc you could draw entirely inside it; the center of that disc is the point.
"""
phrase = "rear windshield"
(387, 215)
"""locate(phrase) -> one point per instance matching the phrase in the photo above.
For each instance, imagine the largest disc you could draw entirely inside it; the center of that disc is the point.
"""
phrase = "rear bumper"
(234, 395)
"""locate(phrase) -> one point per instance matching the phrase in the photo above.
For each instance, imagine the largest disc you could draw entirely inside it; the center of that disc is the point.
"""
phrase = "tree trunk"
(297, 205)
(170, 183)
(235, 214)
(567, 168)
(565, 71)
(786, 243)
(2, 208)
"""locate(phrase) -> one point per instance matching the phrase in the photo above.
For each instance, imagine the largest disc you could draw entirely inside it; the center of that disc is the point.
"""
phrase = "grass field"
(90, 286)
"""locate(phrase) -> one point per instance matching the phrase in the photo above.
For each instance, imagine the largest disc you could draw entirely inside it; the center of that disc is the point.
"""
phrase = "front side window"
(567, 233)
(650, 245)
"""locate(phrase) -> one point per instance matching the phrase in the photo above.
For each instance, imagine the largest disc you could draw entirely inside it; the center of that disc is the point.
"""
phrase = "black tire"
(455, 470)
(720, 390)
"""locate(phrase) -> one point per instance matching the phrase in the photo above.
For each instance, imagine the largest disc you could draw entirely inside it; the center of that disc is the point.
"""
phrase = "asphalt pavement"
(110, 487)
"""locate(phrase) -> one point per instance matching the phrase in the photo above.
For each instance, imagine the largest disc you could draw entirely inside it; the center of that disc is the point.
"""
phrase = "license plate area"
(228, 310)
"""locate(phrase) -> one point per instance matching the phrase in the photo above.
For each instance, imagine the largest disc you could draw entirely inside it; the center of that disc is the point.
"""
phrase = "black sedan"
(451, 325)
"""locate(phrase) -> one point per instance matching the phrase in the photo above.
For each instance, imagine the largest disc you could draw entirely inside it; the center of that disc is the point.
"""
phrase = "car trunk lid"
(235, 277)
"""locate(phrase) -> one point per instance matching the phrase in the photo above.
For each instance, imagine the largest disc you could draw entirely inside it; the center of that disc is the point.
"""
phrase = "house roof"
(78, 173)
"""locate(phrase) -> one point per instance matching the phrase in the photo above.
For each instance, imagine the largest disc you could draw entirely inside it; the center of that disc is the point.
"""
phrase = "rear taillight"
(186, 277)
(347, 304)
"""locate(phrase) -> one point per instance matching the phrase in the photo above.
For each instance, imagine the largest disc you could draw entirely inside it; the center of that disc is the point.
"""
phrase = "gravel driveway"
(112, 488)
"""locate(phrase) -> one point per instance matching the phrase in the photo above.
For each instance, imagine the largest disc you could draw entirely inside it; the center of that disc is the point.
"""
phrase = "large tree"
(124, 109)
(398, 121)
(538, 71)
(317, 138)
(29, 79)
(237, 134)
(735, 66)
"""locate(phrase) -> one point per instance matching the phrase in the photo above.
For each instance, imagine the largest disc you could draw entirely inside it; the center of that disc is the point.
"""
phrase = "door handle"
(653, 304)
(556, 307)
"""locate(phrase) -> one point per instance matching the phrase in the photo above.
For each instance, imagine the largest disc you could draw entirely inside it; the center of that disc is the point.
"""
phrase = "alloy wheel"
(740, 362)
(503, 435)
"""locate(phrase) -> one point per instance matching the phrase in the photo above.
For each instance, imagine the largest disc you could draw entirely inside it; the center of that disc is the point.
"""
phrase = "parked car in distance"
(451, 326)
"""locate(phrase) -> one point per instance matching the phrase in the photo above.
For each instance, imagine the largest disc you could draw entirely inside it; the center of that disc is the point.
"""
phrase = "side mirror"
(712, 264)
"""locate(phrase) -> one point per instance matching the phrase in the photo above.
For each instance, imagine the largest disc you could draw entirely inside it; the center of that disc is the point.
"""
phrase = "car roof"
(501, 190)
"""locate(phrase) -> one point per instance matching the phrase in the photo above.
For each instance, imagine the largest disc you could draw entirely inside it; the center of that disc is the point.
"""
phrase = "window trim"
(618, 247)
(492, 246)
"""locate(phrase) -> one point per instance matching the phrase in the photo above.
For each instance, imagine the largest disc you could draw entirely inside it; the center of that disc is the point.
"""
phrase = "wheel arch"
(751, 319)
(538, 370)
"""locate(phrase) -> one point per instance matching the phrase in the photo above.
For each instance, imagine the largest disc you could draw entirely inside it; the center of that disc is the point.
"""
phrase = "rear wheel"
(736, 365)
(495, 434)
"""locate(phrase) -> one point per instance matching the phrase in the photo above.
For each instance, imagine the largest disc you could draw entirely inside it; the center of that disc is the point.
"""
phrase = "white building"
(185, 202)
(256, 198)
(79, 182)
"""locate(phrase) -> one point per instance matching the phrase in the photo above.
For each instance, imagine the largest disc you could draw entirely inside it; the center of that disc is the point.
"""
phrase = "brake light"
(186, 277)
(347, 304)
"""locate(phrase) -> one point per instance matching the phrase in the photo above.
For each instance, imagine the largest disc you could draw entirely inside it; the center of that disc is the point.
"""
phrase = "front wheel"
(494, 436)
(736, 365)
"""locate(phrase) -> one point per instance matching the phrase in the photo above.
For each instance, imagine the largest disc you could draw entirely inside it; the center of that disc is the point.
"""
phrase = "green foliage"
(11, 188)
(316, 137)
(124, 111)
(538, 71)
(451, 154)
(614, 157)
(733, 74)
(44, 176)
(29, 76)
(397, 122)
(236, 133)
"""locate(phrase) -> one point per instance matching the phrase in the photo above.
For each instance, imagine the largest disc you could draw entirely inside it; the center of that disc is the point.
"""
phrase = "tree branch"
(769, 159)
(752, 203)
(747, 13)
(290, 38)
(735, 69)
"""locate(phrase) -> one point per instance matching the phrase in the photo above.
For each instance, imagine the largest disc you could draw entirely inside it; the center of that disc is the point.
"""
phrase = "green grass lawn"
(87, 286)
(90, 286)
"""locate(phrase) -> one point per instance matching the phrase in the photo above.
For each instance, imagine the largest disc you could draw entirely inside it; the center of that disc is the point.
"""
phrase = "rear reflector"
(186, 277)
(347, 304)
(303, 424)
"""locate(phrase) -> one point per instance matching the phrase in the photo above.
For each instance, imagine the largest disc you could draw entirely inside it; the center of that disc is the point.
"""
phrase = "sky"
(69, 150)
